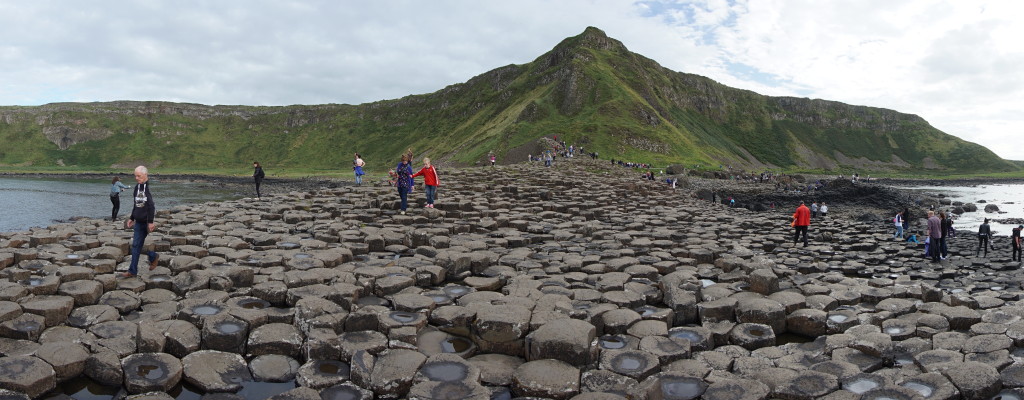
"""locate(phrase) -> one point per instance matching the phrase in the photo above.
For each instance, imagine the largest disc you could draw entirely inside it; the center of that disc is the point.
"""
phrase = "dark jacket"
(946, 224)
(258, 174)
(984, 230)
(147, 210)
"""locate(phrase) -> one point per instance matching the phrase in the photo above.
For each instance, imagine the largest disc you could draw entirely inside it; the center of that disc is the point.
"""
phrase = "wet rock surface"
(525, 283)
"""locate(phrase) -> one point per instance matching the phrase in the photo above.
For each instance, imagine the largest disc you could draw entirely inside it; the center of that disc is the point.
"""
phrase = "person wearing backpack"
(403, 179)
(429, 174)
(898, 221)
(984, 231)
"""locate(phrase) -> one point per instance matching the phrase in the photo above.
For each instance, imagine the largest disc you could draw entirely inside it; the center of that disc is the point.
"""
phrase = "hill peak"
(592, 38)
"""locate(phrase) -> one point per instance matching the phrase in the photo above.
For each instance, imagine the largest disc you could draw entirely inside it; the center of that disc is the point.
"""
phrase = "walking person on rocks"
(357, 167)
(1015, 242)
(934, 233)
(429, 174)
(257, 175)
(801, 221)
(116, 187)
(984, 231)
(142, 221)
(898, 221)
(823, 209)
(906, 219)
(946, 228)
(403, 179)
(814, 209)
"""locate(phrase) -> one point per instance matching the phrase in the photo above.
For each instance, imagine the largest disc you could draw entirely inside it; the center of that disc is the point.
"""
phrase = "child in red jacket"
(429, 181)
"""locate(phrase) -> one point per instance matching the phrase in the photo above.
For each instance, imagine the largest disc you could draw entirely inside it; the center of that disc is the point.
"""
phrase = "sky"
(957, 64)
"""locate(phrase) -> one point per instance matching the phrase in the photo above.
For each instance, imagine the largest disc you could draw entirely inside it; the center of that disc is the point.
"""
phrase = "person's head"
(255, 164)
(986, 220)
(942, 215)
(931, 213)
(407, 156)
(115, 180)
(426, 161)
(141, 174)
(358, 156)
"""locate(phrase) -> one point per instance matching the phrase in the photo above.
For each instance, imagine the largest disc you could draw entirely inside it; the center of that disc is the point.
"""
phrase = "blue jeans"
(139, 240)
(899, 231)
(403, 192)
(359, 179)
(431, 192)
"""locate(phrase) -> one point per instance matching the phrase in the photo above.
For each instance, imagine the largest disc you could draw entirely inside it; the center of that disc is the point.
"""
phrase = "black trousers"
(116, 201)
(982, 244)
(258, 181)
(1016, 251)
(798, 230)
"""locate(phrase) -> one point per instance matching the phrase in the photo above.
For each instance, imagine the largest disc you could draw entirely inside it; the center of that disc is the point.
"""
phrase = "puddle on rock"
(445, 371)
(859, 386)
(150, 371)
(32, 282)
(159, 278)
(612, 342)
(330, 367)
(229, 327)
(790, 337)
(682, 388)
(253, 304)
(206, 309)
(1007, 395)
(628, 363)
(922, 388)
(403, 317)
(838, 318)
(372, 301)
(341, 393)
(692, 336)
(455, 290)
(455, 344)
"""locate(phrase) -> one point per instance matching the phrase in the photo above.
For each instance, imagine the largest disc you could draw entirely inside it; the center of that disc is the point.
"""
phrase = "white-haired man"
(141, 221)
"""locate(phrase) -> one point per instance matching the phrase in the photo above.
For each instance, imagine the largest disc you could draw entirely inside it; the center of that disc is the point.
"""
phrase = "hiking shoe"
(152, 263)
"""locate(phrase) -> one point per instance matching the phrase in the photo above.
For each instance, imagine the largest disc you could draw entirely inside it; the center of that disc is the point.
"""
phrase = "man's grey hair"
(142, 169)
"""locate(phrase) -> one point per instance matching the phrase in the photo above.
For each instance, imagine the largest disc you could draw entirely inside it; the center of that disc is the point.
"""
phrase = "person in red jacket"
(801, 220)
(429, 181)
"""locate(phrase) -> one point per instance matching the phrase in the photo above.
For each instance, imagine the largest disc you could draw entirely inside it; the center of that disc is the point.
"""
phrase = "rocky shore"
(575, 282)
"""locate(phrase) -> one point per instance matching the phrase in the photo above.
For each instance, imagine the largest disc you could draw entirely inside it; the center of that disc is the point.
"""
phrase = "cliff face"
(589, 90)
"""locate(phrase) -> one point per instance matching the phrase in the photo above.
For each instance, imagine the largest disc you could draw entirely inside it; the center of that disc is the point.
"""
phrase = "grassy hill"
(589, 90)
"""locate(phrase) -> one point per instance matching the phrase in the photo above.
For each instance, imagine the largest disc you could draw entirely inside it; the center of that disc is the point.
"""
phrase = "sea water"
(1008, 197)
(40, 202)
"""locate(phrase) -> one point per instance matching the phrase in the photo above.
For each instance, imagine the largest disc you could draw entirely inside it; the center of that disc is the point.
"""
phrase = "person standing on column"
(141, 221)
(357, 167)
(116, 187)
(1015, 242)
(257, 175)
(984, 231)
(934, 235)
(403, 179)
(801, 221)
(430, 182)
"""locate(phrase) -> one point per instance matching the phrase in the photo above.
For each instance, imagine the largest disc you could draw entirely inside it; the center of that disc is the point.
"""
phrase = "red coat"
(429, 175)
(802, 216)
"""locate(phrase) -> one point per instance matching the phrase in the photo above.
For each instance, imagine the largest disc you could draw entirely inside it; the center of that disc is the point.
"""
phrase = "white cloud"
(953, 63)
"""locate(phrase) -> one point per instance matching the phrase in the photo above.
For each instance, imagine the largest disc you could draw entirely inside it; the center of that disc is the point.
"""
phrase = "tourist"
(934, 233)
(403, 179)
(823, 209)
(116, 187)
(429, 174)
(257, 175)
(1015, 242)
(898, 221)
(357, 168)
(142, 222)
(984, 231)
(492, 160)
(814, 210)
(801, 221)
(945, 228)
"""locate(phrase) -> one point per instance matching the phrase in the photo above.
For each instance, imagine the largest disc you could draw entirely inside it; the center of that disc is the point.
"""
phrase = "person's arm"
(421, 172)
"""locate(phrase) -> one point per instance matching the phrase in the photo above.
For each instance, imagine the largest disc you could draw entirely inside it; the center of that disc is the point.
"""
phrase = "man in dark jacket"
(257, 175)
(142, 221)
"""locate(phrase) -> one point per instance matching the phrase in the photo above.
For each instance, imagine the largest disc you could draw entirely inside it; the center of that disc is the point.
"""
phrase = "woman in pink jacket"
(429, 181)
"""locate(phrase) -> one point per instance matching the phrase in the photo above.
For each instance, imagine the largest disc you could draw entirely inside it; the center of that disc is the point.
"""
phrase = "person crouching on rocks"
(801, 221)
(429, 174)
(142, 222)
(403, 179)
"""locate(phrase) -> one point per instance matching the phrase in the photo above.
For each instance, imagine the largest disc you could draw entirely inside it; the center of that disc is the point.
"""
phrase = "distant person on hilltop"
(984, 231)
(357, 167)
(257, 175)
(493, 159)
(430, 181)
(141, 221)
(403, 179)
(116, 187)
(801, 221)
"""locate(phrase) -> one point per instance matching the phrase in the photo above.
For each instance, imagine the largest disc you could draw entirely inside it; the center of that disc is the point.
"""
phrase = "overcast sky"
(958, 64)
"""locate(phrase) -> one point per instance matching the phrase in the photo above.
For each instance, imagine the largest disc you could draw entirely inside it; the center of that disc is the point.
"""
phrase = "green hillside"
(589, 90)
